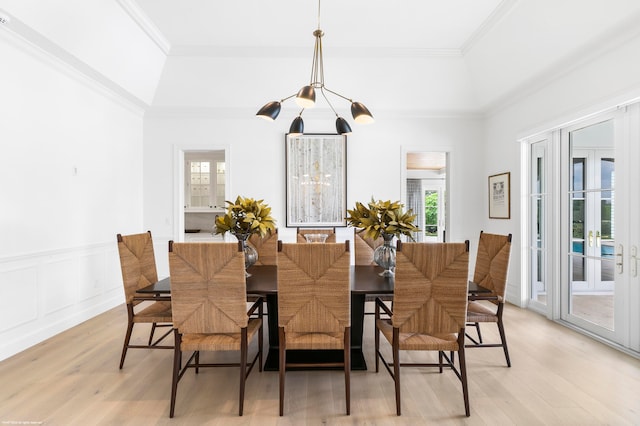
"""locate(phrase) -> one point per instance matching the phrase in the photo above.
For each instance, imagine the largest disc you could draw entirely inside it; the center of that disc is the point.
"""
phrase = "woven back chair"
(364, 248)
(138, 266)
(208, 296)
(301, 232)
(429, 308)
(492, 267)
(314, 304)
(267, 248)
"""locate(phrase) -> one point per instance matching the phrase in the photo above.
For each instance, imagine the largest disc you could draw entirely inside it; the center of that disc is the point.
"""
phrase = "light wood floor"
(558, 377)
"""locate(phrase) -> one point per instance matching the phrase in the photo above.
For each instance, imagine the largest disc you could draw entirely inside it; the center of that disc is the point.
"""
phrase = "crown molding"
(499, 13)
(30, 41)
(296, 52)
(316, 113)
(145, 24)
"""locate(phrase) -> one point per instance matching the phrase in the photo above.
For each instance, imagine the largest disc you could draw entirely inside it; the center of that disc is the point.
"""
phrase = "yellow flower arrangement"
(382, 217)
(246, 216)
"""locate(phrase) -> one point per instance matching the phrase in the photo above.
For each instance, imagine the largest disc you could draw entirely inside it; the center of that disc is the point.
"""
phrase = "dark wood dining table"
(365, 280)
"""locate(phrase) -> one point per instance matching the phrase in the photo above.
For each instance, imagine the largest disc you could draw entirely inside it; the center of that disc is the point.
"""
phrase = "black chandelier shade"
(297, 127)
(342, 127)
(360, 113)
(306, 96)
(270, 111)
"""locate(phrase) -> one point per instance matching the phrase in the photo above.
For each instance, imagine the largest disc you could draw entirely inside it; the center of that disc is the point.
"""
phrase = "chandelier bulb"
(306, 97)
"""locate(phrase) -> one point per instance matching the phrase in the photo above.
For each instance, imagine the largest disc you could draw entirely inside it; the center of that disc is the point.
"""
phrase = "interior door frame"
(179, 184)
(404, 150)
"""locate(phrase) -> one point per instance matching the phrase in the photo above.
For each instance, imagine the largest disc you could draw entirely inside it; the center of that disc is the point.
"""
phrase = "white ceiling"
(435, 56)
(443, 57)
(423, 24)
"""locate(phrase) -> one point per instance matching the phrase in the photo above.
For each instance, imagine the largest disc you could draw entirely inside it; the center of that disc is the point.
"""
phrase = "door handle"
(597, 238)
(590, 238)
(620, 258)
(634, 261)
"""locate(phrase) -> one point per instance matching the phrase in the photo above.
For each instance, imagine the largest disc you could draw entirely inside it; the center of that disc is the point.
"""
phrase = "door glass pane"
(430, 213)
(538, 246)
(592, 224)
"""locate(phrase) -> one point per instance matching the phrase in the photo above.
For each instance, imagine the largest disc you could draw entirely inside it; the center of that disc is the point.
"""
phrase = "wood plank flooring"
(558, 377)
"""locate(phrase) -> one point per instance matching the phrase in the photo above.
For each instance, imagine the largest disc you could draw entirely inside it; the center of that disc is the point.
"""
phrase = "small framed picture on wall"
(500, 196)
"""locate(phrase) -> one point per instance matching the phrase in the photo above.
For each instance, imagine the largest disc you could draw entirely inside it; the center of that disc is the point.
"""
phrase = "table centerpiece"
(246, 216)
(384, 219)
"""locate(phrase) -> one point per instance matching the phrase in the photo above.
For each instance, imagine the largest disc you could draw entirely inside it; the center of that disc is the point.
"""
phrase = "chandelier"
(306, 96)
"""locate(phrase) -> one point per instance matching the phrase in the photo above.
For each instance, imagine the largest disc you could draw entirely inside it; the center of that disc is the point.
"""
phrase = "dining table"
(262, 280)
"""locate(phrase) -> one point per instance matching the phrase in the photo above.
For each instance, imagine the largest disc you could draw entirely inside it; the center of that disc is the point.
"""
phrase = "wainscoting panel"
(43, 294)
(18, 284)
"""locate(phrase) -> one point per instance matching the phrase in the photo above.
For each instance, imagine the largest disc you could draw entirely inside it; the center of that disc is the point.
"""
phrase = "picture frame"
(316, 180)
(500, 196)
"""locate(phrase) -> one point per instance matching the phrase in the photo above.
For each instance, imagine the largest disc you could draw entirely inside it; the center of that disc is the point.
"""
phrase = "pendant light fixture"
(306, 96)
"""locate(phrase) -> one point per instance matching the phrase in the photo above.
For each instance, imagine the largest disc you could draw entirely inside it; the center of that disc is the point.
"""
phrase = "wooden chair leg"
(177, 362)
(477, 325)
(377, 338)
(396, 366)
(127, 338)
(347, 368)
(197, 361)
(260, 340)
(440, 356)
(153, 329)
(463, 373)
(243, 368)
(503, 338)
(282, 366)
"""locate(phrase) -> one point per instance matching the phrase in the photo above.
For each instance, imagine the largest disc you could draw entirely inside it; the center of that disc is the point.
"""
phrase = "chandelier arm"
(327, 99)
(288, 97)
(337, 94)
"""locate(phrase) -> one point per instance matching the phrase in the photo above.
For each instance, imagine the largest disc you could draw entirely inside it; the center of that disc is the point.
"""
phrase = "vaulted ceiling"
(408, 56)
(426, 55)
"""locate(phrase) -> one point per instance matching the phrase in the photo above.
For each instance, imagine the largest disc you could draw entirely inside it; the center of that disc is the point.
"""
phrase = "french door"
(583, 232)
(596, 230)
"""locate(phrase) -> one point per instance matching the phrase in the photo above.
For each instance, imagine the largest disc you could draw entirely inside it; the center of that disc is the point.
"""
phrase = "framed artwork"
(316, 180)
(500, 196)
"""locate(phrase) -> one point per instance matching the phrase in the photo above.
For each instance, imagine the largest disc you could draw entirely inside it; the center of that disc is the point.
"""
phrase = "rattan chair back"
(301, 232)
(137, 262)
(492, 262)
(208, 287)
(430, 290)
(267, 248)
(314, 288)
(364, 248)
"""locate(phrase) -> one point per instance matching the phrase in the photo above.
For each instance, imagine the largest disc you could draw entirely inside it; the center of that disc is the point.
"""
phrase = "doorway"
(426, 193)
(201, 188)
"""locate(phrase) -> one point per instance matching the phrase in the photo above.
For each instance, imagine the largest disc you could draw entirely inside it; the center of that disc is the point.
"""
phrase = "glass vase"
(385, 256)
(250, 253)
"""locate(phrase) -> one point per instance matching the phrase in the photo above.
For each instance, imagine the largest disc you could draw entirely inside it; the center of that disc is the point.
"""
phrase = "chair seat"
(416, 341)
(156, 312)
(219, 341)
(315, 340)
(478, 312)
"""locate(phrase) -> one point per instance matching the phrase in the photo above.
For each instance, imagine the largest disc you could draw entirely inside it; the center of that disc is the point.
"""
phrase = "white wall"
(256, 166)
(71, 179)
(591, 86)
